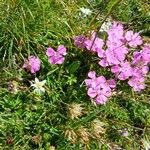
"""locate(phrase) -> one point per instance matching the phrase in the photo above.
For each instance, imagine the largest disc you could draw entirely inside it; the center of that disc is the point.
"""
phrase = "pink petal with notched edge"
(103, 63)
(60, 60)
(88, 82)
(111, 83)
(50, 52)
(92, 92)
(122, 76)
(146, 53)
(115, 69)
(134, 39)
(61, 50)
(56, 59)
(100, 79)
(51, 60)
(101, 53)
(145, 69)
(128, 35)
(92, 74)
(101, 99)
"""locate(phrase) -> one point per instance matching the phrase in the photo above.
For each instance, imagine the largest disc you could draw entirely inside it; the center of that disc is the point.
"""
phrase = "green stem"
(109, 12)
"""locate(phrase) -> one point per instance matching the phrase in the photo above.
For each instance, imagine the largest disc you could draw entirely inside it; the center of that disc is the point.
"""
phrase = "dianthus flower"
(140, 63)
(94, 81)
(79, 41)
(56, 57)
(122, 71)
(140, 71)
(115, 36)
(94, 44)
(146, 53)
(38, 86)
(133, 39)
(137, 83)
(113, 56)
(138, 59)
(99, 88)
(32, 64)
(113, 53)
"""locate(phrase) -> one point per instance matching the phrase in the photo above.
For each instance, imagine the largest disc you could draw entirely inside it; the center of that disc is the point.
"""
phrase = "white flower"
(146, 145)
(85, 11)
(39, 89)
(105, 26)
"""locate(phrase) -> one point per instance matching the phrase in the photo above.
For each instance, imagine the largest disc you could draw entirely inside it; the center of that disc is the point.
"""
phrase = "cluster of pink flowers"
(121, 52)
(99, 88)
(33, 63)
(140, 68)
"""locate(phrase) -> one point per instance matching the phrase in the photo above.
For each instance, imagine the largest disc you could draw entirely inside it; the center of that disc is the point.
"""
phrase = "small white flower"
(39, 89)
(146, 144)
(105, 26)
(85, 11)
(124, 132)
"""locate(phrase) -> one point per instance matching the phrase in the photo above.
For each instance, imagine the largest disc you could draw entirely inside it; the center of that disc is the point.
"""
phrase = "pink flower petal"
(92, 74)
(61, 50)
(103, 63)
(115, 69)
(50, 52)
(111, 83)
(92, 92)
(60, 60)
(88, 82)
(101, 99)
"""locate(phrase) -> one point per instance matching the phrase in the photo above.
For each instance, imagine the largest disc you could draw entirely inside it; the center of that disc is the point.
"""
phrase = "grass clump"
(63, 117)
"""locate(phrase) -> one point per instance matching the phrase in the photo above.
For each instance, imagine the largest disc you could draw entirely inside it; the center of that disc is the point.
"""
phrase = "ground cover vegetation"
(74, 74)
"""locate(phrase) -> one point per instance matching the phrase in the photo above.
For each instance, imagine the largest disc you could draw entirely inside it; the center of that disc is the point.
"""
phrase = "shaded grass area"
(31, 122)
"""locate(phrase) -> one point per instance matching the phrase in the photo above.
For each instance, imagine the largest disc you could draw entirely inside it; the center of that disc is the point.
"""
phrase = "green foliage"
(28, 121)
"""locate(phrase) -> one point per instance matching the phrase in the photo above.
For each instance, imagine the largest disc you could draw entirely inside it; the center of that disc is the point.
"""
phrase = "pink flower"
(140, 72)
(115, 31)
(79, 41)
(137, 83)
(113, 53)
(32, 64)
(122, 71)
(133, 39)
(99, 88)
(111, 83)
(103, 62)
(146, 53)
(94, 81)
(93, 92)
(94, 44)
(113, 56)
(115, 36)
(56, 57)
(140, 62)
(138, 59)
(101, 99)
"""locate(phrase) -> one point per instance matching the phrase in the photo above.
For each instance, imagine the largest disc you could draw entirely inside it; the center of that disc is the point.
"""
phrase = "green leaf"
(74, 67)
